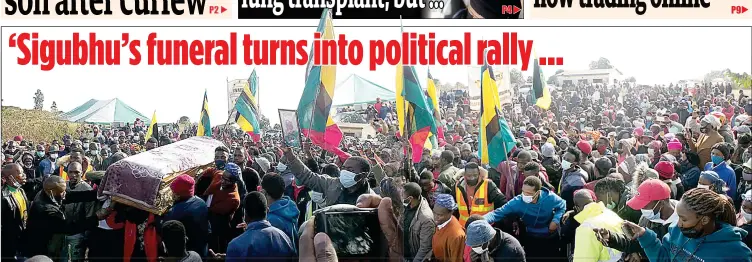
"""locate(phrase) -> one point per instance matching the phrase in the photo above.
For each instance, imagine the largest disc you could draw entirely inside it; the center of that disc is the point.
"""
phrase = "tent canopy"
(357, 90)
(104, 111)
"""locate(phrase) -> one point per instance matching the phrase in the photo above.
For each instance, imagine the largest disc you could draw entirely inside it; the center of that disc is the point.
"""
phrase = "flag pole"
(406, 128)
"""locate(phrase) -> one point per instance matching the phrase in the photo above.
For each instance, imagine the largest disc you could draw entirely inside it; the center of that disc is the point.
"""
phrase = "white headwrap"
(712, 120)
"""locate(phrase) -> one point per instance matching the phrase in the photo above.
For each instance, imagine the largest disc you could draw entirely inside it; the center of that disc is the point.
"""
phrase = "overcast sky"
(651, 55)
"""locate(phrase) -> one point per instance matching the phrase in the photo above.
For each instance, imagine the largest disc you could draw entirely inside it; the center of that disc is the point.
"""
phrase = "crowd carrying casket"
(143, 180)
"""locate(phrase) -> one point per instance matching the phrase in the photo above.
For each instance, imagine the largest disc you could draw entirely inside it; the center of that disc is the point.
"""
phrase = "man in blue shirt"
(260, 241)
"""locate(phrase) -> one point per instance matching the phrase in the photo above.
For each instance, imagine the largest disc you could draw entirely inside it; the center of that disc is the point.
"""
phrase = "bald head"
(13, 175)
(582, 198)
(10, 169)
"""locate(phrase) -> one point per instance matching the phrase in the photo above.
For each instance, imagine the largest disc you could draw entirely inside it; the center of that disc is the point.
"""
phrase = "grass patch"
(34, 125)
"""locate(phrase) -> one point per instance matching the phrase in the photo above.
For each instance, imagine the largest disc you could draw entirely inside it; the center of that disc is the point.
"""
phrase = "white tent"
(104, 111)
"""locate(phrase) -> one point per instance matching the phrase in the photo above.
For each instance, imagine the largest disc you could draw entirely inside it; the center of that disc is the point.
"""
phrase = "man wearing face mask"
(345, 189)
(14, 210)
(573, 177)
(418, 225)
(720, 153)
(475, 193)
(705, 231)
(658, 214)
(745, 183)
(541, 211)
(708, 138)
(95, 157)
(74, 243)
(614, 193)
(47, 222)
(491, 244)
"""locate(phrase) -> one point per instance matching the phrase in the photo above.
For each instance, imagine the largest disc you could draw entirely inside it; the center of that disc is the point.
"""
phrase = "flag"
(153, 130)
(204, 126)
(253, 84)
(495, 137)
(541, 94)
(313, 109)
(432, 95)
(419, 119)
(247, 113)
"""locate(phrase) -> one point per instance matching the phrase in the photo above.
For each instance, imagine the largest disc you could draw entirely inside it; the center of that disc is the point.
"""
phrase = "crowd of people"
(658, 173)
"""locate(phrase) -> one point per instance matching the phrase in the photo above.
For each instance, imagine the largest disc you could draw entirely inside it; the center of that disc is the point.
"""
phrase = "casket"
(143, 180)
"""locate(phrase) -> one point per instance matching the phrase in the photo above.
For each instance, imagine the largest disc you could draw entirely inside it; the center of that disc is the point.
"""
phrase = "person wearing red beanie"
(586, 148)
(192, 211)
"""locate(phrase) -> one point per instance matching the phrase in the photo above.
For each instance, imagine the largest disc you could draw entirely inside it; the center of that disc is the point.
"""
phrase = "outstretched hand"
(318, 247)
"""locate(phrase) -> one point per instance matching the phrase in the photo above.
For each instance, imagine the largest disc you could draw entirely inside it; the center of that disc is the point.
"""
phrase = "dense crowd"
(608, 173)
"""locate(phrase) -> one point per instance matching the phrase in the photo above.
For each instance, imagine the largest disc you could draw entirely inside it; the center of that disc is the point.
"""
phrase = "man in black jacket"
(14, 210)
(47, 221)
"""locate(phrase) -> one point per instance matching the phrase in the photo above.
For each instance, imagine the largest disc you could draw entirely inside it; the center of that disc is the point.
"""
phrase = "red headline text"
(411, 49)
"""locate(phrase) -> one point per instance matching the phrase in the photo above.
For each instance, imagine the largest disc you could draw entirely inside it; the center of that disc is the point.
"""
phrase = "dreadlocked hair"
(705, 202)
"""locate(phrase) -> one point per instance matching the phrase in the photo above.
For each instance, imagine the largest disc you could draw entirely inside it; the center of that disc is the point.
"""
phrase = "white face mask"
(565, 165)
(281, 167)
(479, 250)
(651, 151)
(527, 199)
(703, 186)
(747, 216)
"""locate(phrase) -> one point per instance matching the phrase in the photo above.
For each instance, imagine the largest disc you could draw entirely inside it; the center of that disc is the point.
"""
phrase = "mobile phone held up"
(355, 233)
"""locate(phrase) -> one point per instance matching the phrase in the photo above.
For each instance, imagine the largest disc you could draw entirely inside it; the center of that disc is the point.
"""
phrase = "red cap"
(18, 138)
(650, 190)
(585, 147)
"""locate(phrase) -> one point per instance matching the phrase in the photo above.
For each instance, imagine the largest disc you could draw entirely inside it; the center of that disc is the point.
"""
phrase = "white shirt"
(442, 225)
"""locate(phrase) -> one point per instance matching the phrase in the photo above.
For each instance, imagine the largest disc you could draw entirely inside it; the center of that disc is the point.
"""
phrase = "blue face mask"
(716, 159)
(220, 164)
(347, 178)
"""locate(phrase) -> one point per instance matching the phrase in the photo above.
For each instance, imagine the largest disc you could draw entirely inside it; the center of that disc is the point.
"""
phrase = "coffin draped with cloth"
(143, 180)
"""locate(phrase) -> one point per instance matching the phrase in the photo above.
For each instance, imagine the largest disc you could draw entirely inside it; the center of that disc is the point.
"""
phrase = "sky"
(651, 55)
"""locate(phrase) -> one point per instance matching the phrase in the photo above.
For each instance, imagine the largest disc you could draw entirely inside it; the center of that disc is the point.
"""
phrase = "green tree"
(632, 79)
(716, 74)
(552, 78)
(601, 63)
(516, 76)
(743, 80)
(264, 122)
(38, 100)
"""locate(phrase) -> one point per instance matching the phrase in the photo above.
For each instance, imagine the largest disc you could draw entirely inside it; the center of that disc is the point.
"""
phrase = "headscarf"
(548, 150)
(712, 120)
(233, 169)
(719, 186)
(445, 201)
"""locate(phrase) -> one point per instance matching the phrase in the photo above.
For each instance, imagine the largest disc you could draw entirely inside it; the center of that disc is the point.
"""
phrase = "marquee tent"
(104, 111)
(357, 90)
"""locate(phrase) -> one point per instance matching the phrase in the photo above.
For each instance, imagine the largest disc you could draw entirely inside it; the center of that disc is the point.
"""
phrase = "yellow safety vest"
(480, 204)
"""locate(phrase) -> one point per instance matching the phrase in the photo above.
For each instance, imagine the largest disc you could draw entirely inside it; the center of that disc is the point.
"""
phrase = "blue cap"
(478, 233)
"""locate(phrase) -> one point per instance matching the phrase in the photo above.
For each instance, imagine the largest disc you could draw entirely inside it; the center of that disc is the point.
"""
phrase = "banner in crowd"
(503, 81)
